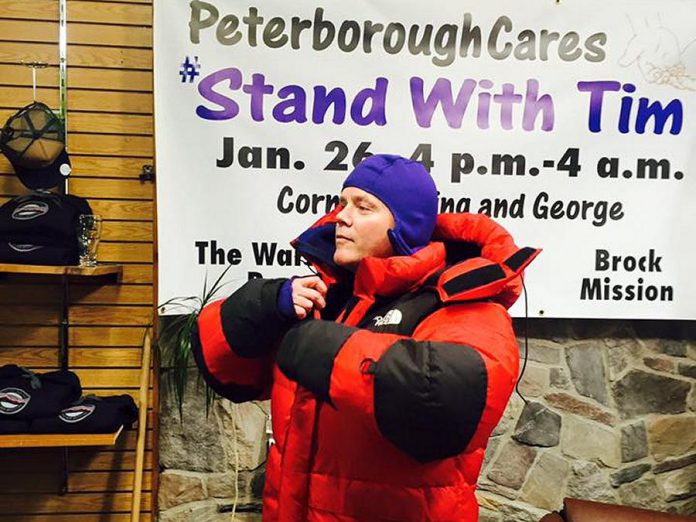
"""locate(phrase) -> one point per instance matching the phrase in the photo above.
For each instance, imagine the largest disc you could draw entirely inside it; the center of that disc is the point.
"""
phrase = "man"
(388, 371)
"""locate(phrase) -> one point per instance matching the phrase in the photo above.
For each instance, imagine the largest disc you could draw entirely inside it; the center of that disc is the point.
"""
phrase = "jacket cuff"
(307, 352)
(286, 308)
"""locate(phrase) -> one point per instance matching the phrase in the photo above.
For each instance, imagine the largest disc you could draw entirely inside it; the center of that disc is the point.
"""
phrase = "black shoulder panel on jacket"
(429, 397)
(250, 318)
(233, 392)
(475, 278)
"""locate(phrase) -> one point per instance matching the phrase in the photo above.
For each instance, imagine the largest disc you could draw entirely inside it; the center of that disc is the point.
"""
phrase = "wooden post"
(142, 428)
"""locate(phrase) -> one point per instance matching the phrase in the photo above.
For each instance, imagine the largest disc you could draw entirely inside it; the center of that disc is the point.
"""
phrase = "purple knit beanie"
(409, 192)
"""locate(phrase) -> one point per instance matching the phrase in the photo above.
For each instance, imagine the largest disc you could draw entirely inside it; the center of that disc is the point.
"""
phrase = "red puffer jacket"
(382, 408)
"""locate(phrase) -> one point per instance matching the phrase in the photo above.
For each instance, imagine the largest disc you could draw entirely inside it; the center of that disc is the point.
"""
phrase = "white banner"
(571, 124)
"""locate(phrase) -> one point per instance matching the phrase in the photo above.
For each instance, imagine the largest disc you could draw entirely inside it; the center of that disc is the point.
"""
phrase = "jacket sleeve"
(432, 394)
(234, 340)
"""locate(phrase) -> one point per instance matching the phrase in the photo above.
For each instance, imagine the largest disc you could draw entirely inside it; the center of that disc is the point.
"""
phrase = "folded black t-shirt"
(91, 414)
(25, 395)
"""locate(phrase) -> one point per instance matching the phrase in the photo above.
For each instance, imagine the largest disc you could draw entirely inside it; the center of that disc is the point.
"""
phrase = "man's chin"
(347, 262)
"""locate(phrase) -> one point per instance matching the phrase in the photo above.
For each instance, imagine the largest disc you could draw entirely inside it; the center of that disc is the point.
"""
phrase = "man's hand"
(308, 293)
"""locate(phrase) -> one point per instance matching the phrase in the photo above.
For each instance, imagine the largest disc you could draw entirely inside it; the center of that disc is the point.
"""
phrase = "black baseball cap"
(33, 140)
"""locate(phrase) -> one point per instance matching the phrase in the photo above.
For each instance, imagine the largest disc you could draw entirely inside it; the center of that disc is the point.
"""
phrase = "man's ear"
(400, 246)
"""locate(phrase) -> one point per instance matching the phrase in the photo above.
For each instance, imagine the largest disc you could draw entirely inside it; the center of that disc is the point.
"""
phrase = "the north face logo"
(391, 317)
(76, 413)
(13, 400)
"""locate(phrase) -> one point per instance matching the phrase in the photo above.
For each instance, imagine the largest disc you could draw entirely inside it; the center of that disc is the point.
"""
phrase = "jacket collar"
(396, 275)
(471, 257)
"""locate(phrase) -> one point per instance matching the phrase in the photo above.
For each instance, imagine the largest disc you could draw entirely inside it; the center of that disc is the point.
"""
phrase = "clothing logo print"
(30, 210)
(391, 317)
(76, 413)
(23, 248)
(13, 400)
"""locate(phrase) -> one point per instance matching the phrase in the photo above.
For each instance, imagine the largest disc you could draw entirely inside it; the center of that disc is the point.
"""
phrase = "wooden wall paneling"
(80, 34)
(81, 315)
(110, 138)
(71, 502)
(85, 294)
(85, 100)
(98, 189)
(49, 461)
(108, 517)
(127, 80)
(81, 55)
(116, 209)
(123, 12)
(80, 482)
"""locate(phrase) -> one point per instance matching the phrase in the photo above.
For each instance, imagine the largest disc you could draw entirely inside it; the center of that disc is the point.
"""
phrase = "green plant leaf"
(173, 342)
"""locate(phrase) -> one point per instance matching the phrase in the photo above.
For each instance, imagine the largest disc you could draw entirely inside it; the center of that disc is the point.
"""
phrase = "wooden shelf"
(30, 440)
(108, 270)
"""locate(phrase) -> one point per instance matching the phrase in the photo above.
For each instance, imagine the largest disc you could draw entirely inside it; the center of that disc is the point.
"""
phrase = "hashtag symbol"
(189, 69)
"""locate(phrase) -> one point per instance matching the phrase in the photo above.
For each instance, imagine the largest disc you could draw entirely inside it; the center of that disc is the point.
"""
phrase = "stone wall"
(610, 415)
(200, 453)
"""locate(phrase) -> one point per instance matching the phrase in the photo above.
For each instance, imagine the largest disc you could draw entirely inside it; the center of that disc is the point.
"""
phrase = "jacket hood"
(470, 258)
(483, 261)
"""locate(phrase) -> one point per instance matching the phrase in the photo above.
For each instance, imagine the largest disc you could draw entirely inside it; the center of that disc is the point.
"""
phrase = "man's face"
(361, 229)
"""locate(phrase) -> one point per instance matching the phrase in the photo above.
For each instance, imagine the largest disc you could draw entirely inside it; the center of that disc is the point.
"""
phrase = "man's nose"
(343, 216)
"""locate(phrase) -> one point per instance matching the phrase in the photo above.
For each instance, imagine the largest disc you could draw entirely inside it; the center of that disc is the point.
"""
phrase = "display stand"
(105, 274)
